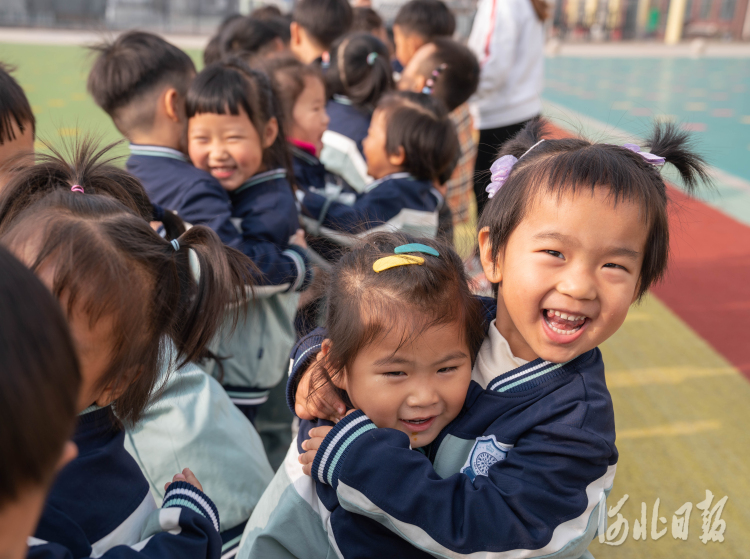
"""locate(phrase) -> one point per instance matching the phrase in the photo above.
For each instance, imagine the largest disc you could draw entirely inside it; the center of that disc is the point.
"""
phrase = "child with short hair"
(17, 124)
(411, 146)
(358, 77)
(418, 22)
(236, 134)
(315, 25)
(403, 328)
(449, 71)
(176, 428)
(127, 293)
(39, 380)
(527, 466)
(250, 38)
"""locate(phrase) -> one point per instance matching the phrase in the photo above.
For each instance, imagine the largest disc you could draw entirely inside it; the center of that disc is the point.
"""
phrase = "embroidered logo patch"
(485, 452)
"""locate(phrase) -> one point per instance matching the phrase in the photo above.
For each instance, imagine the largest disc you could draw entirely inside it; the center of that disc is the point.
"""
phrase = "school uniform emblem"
(485, 452)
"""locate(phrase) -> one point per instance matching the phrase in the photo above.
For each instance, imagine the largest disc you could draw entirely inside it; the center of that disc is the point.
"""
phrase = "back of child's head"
(105, 262)
(15, 111)
(212, 52)
(360, 69)
(454, 71)
(269, 11)
(323, 20)
(90, 168)
(39, 380)
(288, 76)
(366, 20)
(427, 18)
(231, 86)
(571, 166)
(248, 38)
(420, 125)
(132, 69)
(364, 306)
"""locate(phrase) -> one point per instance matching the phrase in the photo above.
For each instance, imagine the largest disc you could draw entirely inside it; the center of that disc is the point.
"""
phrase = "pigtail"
(360, 69)
(84, 165)
(172, 223)
(675, 146)
(534, 131)
(212, 281)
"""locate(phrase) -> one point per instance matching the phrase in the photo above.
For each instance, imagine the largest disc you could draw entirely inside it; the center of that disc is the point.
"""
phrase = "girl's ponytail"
(674, 145)
(360, 70)
(213, 280)
(530, 135)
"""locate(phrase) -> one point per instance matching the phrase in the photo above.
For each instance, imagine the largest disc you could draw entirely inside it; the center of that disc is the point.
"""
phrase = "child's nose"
(423, 397)
(578, 283)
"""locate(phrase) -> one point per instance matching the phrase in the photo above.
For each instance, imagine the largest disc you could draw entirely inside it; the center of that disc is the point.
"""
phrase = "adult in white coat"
(508, 40)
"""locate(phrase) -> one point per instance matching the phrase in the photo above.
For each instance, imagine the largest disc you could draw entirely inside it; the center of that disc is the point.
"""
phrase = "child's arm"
(369, 210)
(546, 496)
(265, 222)
(187, 525)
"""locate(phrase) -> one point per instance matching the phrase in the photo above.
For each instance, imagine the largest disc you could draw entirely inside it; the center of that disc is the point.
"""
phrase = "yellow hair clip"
(397, 260)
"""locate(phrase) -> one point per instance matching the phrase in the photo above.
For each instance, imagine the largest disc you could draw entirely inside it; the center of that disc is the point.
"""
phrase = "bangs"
(219, 90)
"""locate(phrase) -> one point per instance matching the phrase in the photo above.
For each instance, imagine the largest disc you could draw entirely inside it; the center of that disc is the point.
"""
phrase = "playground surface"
(679, 369)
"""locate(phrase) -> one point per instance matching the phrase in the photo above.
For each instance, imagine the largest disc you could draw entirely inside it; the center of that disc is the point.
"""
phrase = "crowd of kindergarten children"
(298, 197)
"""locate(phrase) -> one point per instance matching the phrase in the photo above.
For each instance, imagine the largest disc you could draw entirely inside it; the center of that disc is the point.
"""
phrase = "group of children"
(289, 176)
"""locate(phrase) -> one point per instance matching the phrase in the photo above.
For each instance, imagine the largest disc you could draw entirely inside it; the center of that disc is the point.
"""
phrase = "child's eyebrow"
(450, 357)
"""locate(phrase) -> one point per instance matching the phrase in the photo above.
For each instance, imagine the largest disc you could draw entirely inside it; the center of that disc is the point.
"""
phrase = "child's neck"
(504, 324)
(162, 138)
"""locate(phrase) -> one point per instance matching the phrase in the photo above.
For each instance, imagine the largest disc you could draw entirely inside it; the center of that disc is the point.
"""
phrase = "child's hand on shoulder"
(186, 475)
(324, 404)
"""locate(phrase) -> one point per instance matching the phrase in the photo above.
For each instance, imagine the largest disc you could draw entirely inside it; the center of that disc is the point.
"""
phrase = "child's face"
(309, 116)
(406, 44)
(379, 163)
(567, 275)
(418, 387)
(228, 146)
(412, 78)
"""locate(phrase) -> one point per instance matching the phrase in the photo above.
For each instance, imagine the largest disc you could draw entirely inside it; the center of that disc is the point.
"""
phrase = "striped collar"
(266, 176)
(308, 158)
(533, 374)
(342, 99)
(157, 151)
(91, 408)
(391, 177)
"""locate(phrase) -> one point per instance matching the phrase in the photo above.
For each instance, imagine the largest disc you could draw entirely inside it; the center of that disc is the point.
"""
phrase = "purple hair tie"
(77, 188)
(501, 169)
(656, 160)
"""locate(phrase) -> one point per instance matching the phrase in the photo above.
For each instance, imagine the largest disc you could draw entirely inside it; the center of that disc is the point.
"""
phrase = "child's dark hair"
(248, 37)
(104, 259)
(14, 107)
(212, 52)
(132, 66)
(363, 305)
(324, 20)
(572, 165)
(39, 380)
(360, 69)
(288, 76)
(269, 11)
(231, 85)
(93, 170)
(366, 20)
(420, 125)
(427, 18)
(457, 69)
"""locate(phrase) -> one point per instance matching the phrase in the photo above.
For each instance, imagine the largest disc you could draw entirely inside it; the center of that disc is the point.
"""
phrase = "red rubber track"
(708, 282)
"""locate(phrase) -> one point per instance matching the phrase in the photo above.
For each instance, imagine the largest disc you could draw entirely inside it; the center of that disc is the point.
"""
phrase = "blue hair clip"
(416, 247)
(175, 244)
(371, 58)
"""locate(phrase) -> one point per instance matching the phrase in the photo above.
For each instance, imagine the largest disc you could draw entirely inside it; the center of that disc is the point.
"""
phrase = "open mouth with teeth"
(562, 323)
(419, 424)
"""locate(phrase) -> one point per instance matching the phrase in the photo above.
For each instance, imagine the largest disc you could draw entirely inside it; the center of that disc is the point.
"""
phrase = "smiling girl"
(236, 133)
(573, 235)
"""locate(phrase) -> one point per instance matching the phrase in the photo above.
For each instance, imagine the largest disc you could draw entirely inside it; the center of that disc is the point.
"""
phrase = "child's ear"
(399, 158)
(493, 268)
(270, 132)
(294, 32)
(339, 380)
(173, 105)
